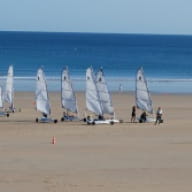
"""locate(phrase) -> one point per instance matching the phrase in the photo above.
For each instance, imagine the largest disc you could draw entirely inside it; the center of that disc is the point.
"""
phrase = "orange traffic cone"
(53, 140)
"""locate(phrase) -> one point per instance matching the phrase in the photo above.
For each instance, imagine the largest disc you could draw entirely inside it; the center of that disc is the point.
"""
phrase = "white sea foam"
(81, 78)
(161, 85)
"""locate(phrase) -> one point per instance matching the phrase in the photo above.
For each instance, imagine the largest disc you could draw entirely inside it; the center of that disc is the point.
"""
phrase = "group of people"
(143, 116)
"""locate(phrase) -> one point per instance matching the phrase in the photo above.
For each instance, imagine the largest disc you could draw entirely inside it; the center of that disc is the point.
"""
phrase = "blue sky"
(108, 16)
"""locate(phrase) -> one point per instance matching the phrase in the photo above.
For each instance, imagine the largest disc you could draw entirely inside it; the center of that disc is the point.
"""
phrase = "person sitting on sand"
(159, 114)
(143, 117)
(101, 117)
(133, 114)
(44, 115)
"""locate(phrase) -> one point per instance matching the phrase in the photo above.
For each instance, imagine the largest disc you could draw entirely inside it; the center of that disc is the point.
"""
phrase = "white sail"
(9, 90)
(1, 99)
(92, 96)
(143, 98)
(42, 100)
(68, 98)
(105, 98)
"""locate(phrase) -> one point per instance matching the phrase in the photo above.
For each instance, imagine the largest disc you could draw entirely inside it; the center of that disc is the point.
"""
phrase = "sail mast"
(92, 96)
(42, 100)
(68, 98)
(1, 99)
(9, 90)
(104, 95)
(143, 98)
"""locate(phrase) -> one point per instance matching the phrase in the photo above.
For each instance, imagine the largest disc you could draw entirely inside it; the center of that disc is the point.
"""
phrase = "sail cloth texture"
(92, 96)
(104, 96)
(42, 100)
(68, 98)
(143, 98)
(1, 99)
(9, 89)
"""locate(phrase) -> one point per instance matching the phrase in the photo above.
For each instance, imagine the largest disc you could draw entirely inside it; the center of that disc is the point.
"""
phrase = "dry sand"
(103, 158)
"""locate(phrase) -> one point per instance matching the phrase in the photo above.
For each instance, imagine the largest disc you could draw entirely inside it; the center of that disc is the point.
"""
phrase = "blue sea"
(166, 59)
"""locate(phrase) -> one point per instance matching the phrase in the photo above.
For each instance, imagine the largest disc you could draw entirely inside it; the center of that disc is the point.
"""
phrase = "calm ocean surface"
(166, 59)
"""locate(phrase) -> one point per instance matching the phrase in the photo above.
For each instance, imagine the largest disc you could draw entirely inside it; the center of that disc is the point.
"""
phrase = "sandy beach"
(103, 158)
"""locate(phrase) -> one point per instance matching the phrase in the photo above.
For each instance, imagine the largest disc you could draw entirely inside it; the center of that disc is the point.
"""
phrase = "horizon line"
(104, 33)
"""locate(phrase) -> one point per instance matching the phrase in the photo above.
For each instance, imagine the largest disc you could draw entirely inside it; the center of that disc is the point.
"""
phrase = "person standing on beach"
(120, 88)
(159, 114)
(133, 114)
